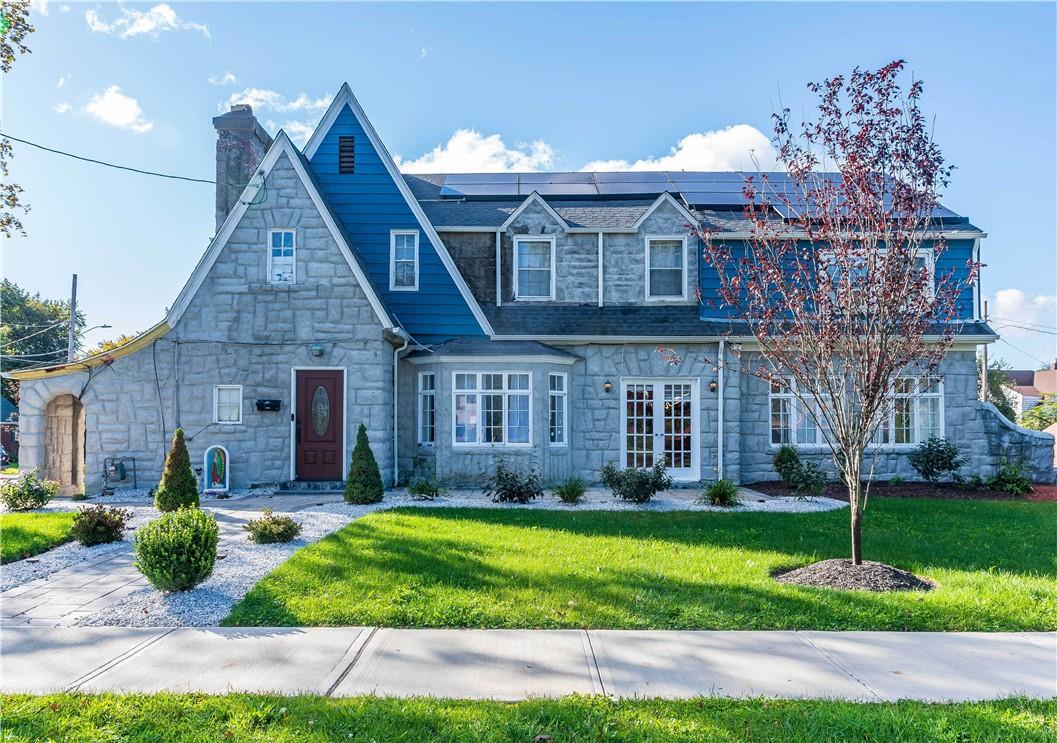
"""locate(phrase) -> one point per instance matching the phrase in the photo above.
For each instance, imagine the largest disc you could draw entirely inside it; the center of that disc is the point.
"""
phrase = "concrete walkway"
(63, 597)
(516, 664)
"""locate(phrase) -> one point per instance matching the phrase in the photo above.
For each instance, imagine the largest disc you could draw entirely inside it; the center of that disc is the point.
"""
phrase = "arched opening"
(64, 443)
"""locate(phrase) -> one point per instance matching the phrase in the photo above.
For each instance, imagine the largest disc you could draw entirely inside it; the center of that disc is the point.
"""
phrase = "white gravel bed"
(146, 495)
(39, 566)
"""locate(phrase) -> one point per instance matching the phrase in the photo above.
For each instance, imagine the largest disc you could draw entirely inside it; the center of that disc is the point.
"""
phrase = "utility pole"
(983, 380)
(73, 319)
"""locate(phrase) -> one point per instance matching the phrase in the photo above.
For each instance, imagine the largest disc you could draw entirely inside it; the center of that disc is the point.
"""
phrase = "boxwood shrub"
(99, 524)
(177, 551)
(29, 492)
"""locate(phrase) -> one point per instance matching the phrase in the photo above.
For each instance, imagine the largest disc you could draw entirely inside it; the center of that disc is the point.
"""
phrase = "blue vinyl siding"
(955, 258)
(369, 205)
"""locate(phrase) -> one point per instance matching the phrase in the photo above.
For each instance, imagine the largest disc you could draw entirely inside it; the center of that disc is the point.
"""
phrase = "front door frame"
(695, 419)
(293, 415)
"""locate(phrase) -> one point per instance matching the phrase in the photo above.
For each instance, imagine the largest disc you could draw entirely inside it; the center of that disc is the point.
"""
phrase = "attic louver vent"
(346, 155)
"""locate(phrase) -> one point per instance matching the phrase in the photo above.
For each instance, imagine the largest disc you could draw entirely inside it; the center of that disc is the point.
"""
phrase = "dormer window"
(281, 249)
(534, 268)
(666, 267)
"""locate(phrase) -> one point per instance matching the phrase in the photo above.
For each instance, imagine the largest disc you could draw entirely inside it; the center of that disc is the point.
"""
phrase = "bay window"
(790, 421)
(491, 408)
(914, 412)
(557, 407)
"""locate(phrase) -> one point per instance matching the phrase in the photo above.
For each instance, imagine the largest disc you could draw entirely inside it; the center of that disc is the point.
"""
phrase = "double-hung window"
(282, 245)
(791, 423)
(913, 413)
(403, 260)
(227, 403)
(427, 408)
(534, 268)
(557, 407)
(666, 267)
(491, 408)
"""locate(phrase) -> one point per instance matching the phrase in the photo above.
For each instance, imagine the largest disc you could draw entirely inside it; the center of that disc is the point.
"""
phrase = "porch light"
(713, 386)
(607, 386)
(316, 349)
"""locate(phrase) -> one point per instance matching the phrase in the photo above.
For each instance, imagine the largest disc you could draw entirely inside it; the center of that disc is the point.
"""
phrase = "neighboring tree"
(33, 331)
(110, 344)
(997, 379)
(14, 28)
(179, 486)
(364, 484)
(1042, 416)
(837, 292)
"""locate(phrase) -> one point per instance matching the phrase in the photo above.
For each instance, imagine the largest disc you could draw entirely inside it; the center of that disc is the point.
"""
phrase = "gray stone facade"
(238, 329)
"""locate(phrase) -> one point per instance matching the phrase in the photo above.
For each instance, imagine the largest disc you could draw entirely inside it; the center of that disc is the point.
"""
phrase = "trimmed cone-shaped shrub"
(364, 483)
(179, 486)
(177, 551)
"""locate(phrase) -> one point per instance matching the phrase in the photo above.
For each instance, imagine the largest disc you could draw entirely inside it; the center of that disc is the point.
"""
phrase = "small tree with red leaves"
(836, 280)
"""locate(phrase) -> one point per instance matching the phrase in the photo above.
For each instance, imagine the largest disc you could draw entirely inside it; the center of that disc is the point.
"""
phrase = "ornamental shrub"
(636, 484)
(809, 480)
(936, 458)
(507, 485)
(94, 525)
(177, 551)
(572, 490)
(29, 492)
(1011, 478)
(786, 463)
(270, 528)
(721, 493)
(179, 486)
(364, 483)
(424, 488)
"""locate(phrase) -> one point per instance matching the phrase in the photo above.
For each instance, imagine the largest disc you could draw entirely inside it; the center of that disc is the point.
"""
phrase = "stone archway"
(64, 443)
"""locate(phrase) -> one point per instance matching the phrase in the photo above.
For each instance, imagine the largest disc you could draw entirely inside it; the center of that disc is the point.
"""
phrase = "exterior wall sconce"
(316, 349)
(607, 386)
(713, 386)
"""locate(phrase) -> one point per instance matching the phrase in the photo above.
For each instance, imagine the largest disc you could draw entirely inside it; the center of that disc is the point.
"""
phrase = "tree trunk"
(853, 475)
(856, 537)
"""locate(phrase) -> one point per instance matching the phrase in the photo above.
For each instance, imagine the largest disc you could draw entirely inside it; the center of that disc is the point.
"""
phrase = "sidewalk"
(516, 664)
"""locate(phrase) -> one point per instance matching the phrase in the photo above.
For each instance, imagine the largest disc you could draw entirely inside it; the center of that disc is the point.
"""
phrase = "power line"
(103, 162)
(39, 332)
(1024, 322)
(1025, 327)
(1017, 348)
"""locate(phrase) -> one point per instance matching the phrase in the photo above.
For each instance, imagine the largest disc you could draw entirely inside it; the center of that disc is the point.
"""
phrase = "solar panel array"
(703, 189)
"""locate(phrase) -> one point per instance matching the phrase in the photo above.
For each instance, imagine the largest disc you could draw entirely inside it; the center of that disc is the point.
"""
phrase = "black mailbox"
(269, 405)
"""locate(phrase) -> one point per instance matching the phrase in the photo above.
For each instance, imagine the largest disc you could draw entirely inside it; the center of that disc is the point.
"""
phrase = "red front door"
(319, 424)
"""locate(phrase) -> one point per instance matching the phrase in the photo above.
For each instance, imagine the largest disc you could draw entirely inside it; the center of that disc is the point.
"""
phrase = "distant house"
(9, 427)
(553, 320)
(1026, 387)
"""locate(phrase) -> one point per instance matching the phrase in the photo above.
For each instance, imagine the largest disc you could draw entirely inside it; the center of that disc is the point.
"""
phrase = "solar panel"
(707, 186)
(637, 188)
(633, 177)
(478, 189)
(556, 178)
(559, 189)
(713, 198)
(458, 178)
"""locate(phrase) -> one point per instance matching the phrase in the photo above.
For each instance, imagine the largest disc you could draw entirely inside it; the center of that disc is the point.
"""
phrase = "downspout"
(601, 286)
(498, 268)
(400, 333)
(719, 372)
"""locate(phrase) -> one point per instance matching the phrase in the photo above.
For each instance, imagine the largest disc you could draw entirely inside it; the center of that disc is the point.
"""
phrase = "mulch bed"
(944, 490)
(846, 576)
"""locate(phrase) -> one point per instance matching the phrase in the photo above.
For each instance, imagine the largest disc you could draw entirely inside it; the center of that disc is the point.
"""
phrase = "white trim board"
(346, 98)
(534, 197)
(552, 358)
(280, 146)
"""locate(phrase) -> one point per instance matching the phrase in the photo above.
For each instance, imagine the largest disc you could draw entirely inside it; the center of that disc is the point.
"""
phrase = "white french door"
(661, 425)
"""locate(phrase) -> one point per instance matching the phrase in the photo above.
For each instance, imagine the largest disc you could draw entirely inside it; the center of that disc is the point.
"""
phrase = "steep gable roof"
(345, 100)
(281, 146)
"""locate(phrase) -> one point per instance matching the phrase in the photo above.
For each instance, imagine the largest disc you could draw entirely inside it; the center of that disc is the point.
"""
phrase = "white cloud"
(63, 79)
(61, 107)
(298, 131)
(64, 8)
(137, 22)
(228, 78)
(117, 109)
(469, 151)
(732, 148)
(262, 99)
(1016, 306)
(40, 6)
(425, 52)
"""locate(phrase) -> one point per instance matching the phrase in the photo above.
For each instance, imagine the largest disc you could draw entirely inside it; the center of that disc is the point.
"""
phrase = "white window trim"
(517, 247)
(420, 410)
(270, 233)
(392, 261)
(564, 395)
(216, 400)
(930, 263)
(790, 395)
(479, 444)
(686, 268)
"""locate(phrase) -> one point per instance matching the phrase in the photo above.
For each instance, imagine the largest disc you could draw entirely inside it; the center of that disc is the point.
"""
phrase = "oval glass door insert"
(320, 410)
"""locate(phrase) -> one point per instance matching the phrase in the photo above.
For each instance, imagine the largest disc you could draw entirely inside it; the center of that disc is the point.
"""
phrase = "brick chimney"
(241, 144)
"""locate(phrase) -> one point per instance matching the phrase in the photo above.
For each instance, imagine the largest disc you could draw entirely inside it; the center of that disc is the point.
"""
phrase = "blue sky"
(479, 86)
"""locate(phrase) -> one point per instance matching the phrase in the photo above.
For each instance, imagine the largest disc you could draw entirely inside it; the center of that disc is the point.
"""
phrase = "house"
(9, 427)
(551, 319)
(1027, 387)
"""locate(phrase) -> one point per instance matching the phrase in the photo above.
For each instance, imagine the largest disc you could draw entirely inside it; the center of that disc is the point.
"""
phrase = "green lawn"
(194, 718)
(26, 534)
(995, 563)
